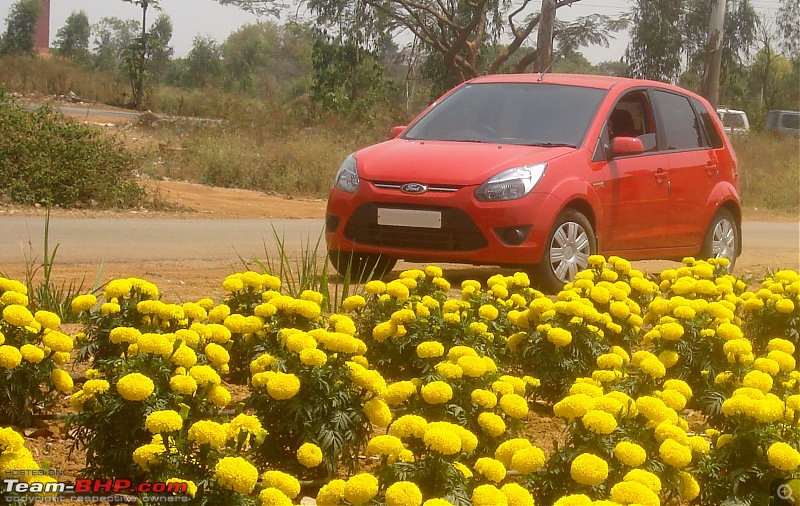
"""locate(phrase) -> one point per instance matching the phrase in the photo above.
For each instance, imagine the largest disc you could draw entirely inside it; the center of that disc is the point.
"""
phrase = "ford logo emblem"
(414, 188)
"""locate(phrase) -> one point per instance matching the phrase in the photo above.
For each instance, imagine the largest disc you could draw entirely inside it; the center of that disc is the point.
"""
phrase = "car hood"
(446, 162)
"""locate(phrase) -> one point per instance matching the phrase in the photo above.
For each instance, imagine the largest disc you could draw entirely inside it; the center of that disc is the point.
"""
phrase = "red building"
(42, 39)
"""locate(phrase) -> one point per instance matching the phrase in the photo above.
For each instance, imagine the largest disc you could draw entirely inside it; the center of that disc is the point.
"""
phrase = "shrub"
(47, 158)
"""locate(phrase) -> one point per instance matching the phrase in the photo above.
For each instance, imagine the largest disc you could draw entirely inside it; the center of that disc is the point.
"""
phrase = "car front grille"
(458, 232)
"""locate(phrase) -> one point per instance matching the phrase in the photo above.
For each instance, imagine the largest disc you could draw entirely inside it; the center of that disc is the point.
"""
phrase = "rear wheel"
(361, 266)
(567, 250)
(722, 238)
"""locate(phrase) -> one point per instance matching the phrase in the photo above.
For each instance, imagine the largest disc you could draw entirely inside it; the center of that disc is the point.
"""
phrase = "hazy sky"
(207, 17)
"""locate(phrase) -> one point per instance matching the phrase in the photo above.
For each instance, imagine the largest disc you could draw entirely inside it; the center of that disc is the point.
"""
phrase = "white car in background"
(734, 121)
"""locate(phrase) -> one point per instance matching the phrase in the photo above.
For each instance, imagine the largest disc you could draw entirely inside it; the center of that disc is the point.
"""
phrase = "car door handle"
(661, 175)
(711, 168)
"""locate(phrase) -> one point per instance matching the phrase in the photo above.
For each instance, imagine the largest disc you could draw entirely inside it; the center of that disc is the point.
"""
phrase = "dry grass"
(769, 172)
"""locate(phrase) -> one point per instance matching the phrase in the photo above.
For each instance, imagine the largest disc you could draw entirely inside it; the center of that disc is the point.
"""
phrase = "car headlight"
(510, 184)
(347, 176)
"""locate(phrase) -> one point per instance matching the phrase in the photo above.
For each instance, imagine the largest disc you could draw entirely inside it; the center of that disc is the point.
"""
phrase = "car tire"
(361, 266)
(572, 234)
(722, 238)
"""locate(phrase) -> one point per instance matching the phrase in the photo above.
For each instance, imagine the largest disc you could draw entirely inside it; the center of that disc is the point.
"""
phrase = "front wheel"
(722, 238)
(567, 250)
(361, 266)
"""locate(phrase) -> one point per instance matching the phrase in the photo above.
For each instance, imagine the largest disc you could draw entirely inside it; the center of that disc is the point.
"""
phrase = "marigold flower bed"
(437, 389)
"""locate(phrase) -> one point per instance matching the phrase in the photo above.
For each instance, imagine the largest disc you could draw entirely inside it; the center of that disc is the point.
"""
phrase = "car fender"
(725, 194)
(578, 194)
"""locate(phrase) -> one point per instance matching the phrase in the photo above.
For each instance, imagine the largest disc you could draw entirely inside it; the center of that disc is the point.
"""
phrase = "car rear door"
(693, 167)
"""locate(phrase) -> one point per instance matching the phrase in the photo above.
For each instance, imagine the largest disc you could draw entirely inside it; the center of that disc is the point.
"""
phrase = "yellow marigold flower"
(767, 365)
(698, 444)
(399, 392)
(488, 495)
(514, 405)
(283, 386)
(108, 308)
(785, 361)
(559, 336)
(690, 489)
(272, 496)
(13, 298)
(633, 492)
(148, 454)
(387, 445)
(403, 493)
(299, 341)
(135, 387)
(397, 290)
(245, 423)
(484, 398)
(331, 493)
(17, 315)
(528, 460)
(474, 367)
(492, 469)
(654, 409)
(31, 353)
(433, 271)
(610, 361)
(646, 478)
(488, 312)
(599, 422)
(729, 331)
(430, 349)
(597, 261)
(442, 437)
(491, 423)
(674, 453)
(313, 357)
(783, 456)
(384, 330)
(436, 392)
(507, 449)
(96, 387)
(47, 319)
(219, 396)
(204, 374)
(671, 331)
(378, 412)
(128, 335)
(83, 303)
(589, 469)
(758, 380)
(61, 379)
(237, 474)
(309, 455)
(673, 399)
(284, 482)
(163, 421)
(784, 306)
(783, 345)
(361, 488)
(208, 432)
(408, 426)
(353, 302)
(573, 406)
(630, 454)
(184, 356)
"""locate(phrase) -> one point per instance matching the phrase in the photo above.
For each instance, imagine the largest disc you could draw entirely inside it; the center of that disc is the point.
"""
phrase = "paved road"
(132, 239)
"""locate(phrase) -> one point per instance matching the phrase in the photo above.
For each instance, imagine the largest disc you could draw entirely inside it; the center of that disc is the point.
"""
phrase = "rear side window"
(682, 129)
(713, 139)
(791, 121)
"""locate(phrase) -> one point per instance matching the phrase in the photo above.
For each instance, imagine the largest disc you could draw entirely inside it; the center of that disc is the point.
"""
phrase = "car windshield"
(511, 113)
(733, 121)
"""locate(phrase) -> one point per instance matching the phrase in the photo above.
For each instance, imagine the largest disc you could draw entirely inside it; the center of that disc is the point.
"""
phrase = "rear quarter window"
(682, 129)
(712, 136)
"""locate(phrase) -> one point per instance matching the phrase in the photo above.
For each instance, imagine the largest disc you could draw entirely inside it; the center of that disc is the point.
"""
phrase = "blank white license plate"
(409, 218)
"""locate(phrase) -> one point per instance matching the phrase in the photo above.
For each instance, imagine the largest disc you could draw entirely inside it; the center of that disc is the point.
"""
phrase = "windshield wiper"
(551, 144)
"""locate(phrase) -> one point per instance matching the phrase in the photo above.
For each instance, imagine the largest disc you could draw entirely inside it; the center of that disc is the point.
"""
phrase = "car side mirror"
(396, 131)
(626, 146)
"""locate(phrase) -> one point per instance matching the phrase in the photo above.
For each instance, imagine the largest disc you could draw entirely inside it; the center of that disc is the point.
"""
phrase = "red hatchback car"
(541, 171)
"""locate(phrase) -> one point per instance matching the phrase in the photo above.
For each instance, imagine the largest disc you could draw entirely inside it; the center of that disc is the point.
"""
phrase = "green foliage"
(654, 51)
(768, 176)
(111, 37)
(21, 27)
(72, 39)
(46, 158)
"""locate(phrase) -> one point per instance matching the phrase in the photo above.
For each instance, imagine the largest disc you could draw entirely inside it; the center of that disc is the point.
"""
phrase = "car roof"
(585, 80)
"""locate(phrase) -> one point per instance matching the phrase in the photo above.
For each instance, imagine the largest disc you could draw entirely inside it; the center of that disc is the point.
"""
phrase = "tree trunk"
(544, 41)
(713, 60)
(139, 90)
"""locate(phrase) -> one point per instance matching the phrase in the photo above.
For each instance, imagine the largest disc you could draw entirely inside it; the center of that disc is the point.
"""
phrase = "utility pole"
(544, 41)
(713, 57)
